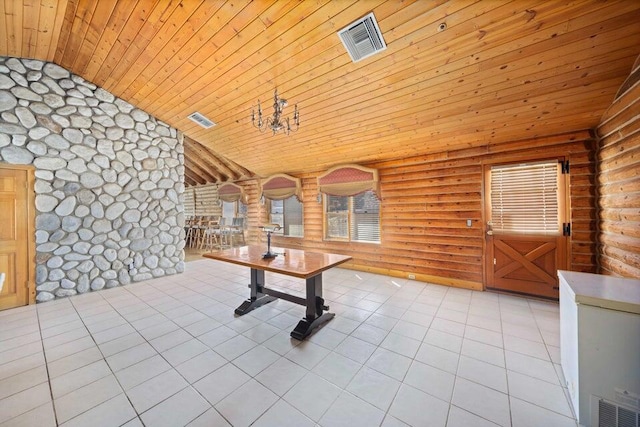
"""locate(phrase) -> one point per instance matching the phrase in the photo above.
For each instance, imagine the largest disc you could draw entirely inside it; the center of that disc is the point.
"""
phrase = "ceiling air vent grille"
(362, 38)
(201, 120)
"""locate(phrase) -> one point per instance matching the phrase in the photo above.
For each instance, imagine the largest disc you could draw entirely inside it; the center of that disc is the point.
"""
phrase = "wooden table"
(291, 262)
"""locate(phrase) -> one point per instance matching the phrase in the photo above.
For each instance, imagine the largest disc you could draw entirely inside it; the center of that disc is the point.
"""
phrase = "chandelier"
(276, 123)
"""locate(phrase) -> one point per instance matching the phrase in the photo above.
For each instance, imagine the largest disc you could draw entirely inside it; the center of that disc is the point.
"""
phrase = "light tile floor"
(170, 352)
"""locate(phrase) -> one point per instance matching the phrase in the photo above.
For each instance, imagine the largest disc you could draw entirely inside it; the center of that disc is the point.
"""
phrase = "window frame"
(563, 195)
(350, 218)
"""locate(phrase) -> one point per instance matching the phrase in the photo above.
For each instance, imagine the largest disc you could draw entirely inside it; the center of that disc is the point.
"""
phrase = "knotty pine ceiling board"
(500, 71)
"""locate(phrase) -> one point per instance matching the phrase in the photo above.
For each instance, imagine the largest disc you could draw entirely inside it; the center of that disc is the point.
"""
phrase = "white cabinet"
(600, 345)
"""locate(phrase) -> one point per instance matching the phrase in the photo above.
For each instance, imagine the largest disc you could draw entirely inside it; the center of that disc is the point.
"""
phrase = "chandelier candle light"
(276, 123)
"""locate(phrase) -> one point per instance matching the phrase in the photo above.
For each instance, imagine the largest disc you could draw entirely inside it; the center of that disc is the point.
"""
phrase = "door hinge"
(566, 229)
(564, 167)
(494, 261)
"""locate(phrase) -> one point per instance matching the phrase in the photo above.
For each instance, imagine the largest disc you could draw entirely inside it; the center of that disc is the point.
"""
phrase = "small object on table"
(270, 228)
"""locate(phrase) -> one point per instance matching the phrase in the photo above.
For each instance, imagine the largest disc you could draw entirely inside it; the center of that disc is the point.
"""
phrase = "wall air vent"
(613, 415)
(362, 38)
(201, 120)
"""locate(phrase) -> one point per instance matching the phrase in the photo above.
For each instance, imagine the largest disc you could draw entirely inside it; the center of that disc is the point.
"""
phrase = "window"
(229, 211)
(525, 198)
(242, 210)
(353, 218)
(287, 213)
(232, 210)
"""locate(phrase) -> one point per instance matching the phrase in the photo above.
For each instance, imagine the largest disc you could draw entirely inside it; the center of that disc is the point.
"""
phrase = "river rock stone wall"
(109, 180)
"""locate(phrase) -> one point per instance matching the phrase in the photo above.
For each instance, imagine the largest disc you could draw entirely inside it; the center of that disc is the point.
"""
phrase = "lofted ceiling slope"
(500, 71)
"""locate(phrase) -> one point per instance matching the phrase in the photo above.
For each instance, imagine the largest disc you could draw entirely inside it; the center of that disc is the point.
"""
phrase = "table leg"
(257, 298)
(315, 307)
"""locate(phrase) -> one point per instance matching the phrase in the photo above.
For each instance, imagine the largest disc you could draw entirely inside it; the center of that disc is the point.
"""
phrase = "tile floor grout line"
(453, 390)
(504, 357)
(46, 364)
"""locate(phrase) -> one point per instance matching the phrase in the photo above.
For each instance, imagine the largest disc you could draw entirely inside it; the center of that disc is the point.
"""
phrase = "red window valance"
(349, 180)
(281, 186)
(230, 192)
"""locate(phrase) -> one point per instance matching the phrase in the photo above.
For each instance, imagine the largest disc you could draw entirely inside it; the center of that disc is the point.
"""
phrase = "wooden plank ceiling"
(501, 71)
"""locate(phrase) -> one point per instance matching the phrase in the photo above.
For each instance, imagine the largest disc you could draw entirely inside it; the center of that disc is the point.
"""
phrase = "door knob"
(2, 277)
(490, 233)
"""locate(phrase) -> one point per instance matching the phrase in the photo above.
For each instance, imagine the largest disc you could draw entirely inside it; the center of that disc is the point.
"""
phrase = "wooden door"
(526, 230)
(526, 264)
(16, 230)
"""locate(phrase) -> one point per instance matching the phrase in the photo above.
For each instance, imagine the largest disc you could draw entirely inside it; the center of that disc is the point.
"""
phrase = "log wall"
(426, 201)
(619, 182)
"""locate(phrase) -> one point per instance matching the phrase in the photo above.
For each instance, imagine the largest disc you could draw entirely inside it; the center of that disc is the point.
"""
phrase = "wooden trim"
(31, 177)
(565, 255)
(438, 280)
(31, 216)
(484, 194)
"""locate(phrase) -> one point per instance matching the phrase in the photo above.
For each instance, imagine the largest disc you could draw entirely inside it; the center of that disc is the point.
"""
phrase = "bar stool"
(211, 236)
(190, 224)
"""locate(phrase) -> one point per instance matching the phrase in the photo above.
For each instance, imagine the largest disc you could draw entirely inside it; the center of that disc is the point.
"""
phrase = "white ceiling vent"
(362, 38)
(201, 120)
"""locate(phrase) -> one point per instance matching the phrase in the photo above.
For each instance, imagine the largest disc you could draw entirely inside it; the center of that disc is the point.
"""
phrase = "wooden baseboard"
(457, 283)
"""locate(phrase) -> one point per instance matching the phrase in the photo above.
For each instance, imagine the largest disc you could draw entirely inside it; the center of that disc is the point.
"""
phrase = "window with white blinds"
(287, 213)
(365, 217)
(525, 198)
(354, 218)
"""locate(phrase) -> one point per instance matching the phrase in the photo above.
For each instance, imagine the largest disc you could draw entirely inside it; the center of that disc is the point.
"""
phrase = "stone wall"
(109, 180)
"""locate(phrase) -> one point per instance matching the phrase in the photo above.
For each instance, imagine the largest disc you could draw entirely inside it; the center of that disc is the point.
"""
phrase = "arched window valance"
(230, 192)
(349, 180)
(281, 186)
